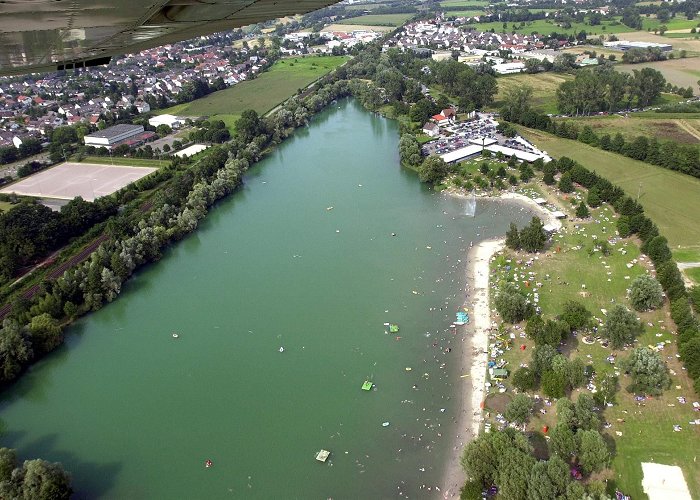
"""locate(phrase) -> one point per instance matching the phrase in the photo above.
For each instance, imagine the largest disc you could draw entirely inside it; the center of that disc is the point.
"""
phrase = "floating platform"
(393, 328)
(367, 386)
(322, 455)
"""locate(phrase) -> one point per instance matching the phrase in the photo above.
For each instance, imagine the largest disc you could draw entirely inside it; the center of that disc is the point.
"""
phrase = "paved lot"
(68, 180)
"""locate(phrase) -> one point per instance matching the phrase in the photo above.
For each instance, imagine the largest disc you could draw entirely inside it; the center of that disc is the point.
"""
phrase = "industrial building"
(627, 45)
(112, 137)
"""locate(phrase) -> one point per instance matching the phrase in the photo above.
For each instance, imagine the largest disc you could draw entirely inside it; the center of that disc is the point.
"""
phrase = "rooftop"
(116, 131)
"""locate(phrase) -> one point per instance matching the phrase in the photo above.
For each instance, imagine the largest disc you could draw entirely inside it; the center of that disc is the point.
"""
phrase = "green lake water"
(134, 413)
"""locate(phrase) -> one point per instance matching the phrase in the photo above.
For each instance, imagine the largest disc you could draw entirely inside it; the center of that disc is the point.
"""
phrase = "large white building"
(113, 136)
(171, 121)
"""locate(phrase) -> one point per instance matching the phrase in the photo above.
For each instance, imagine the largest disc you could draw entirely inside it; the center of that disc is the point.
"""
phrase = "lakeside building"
(112, 137)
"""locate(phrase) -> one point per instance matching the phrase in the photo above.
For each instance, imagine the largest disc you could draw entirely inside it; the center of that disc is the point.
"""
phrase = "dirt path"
(689, 128)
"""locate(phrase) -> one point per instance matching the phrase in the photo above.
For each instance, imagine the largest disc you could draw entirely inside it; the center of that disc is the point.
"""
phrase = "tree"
(593, 454)
(565, 183)
(540, 483)
(582, 210)
(42, 480)
(45, 332)
(409, 151)
(646, 293)
(518, 409)
(621, 327)
(648, 371)
(433, 170)
(554, 384)
(532, 237)
(576, 315)
(593, 198)
(514, 472)
(524, 379)
(657, 249)
(8, 462)
(549, 171)
(248, 125)
(562, 442)
(513, 237)
(511, 304)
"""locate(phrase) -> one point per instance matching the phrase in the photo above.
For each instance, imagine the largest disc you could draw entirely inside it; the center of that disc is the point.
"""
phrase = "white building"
(108, 137)
(171, 121)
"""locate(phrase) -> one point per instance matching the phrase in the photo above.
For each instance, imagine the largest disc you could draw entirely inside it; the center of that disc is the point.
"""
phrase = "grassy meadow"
(675, 215)
(378, 20)
(263, 93)
(642, 431)
(546, 26)
(128, 162)
(544, 87)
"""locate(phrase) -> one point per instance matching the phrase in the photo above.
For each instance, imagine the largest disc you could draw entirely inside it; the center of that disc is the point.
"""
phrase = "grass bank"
(674, 214)
(129, 162)
(263, 93)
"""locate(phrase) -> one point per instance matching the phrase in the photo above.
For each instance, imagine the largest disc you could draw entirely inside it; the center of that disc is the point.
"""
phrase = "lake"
(279, 302)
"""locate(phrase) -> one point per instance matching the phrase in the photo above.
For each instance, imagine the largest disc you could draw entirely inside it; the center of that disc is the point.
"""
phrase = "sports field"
(686, 131)
(544, 88)
(263, 93)
(670, 198)
(68, 180)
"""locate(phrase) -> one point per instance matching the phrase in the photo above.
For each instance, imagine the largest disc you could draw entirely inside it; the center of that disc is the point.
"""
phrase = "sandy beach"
(472, 388)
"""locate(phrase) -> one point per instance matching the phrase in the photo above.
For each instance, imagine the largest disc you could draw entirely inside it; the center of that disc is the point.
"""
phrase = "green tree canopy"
(621, 327)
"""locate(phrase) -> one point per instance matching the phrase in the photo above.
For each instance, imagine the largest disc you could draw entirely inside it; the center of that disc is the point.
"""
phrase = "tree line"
(684, 158)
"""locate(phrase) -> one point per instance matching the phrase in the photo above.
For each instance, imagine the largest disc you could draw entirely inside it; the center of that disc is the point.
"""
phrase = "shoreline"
(475, 352)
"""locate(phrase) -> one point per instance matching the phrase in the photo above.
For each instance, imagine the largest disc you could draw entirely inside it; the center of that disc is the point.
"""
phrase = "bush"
(646, 293)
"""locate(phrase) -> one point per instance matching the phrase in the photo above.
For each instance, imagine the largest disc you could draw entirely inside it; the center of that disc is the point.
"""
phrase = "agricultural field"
(465, 13)
(686, 131)
(599, 50)
(544, 86)
(680, 72)
(378, 20)
(675, 215)
(545, 27)
(263, 93)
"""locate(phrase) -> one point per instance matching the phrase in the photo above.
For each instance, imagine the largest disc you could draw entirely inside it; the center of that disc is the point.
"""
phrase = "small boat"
(208, 464)
(281, 349)
(385, 424)
(176, 336)
(367, 386)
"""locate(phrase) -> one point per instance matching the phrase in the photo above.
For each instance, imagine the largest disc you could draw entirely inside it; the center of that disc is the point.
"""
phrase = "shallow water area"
(279, 301)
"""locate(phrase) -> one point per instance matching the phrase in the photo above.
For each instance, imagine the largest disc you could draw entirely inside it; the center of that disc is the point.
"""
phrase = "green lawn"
(693, 273)
(465, 13)
(646, 430)
(129, 162)
(263, 93)
(545, 27)
(686, 254)
(670, 198)
(544, 87)
(378, 20)
(5, 206)
(676, 23)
